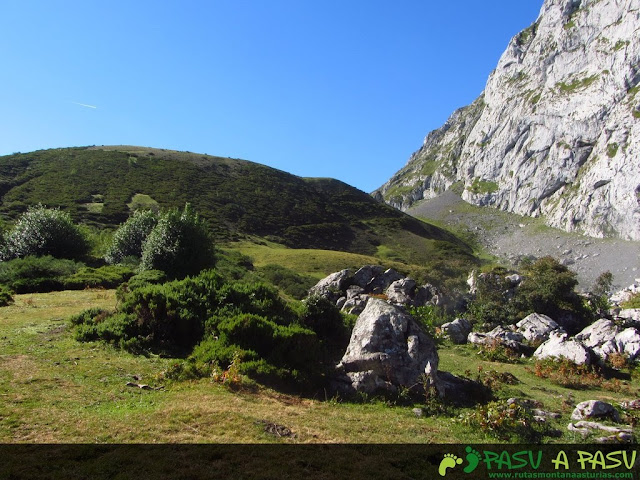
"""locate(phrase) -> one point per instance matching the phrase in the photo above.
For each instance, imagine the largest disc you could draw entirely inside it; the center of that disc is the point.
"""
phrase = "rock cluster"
(594, 344)
(351, 291)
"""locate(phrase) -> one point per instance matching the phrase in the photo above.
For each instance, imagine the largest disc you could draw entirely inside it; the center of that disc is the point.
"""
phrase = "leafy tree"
(179, 244)
(43, 231)
(492, 303)
(129, 238)
(549, 288)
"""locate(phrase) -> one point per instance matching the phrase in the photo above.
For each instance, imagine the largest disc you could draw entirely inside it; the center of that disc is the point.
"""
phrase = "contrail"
(85, 105)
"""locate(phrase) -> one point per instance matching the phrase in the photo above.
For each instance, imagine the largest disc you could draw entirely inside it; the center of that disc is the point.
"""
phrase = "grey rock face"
(536, 328)
(560, 346)
(401, 291)
(387, 350)
(600, 337)
(332, 285)
(595, 409)
(556, 131)
(458, 330)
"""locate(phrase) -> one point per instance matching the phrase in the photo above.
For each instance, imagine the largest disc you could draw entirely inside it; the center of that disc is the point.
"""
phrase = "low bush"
(213, 323)
(109, 276)
(37, 274)
(6, 296)
(507, 422)
(580, 377)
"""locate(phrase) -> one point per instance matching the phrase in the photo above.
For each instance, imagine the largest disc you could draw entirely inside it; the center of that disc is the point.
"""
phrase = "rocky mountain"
(556, 132)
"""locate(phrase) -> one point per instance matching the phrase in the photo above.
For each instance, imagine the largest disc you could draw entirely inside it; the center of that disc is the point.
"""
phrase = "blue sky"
(323, 88)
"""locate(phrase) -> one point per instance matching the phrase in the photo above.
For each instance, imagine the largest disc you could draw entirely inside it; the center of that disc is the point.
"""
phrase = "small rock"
(595, 409)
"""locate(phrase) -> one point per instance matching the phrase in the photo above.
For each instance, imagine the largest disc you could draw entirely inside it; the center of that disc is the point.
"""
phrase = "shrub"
(41, 231)
(549, 288)
(6, 296)
(109, 276)
(492, 302)
(130, 236)
(37, 274)
(507, 421)
(178, 245)
(632, 302)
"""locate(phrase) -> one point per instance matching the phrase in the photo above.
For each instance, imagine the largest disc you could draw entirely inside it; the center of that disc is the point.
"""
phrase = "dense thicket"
(213, 321)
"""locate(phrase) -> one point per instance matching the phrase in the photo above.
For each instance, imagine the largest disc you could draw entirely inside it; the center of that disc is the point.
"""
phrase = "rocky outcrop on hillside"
(556, 133)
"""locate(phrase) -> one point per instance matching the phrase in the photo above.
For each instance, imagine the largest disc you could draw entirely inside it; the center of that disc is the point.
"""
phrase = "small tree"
(129, 238)
(179, 244)
(43, 231)
(549, 288)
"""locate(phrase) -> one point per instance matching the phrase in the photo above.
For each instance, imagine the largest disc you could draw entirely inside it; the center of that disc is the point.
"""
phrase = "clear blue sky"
(323, 88)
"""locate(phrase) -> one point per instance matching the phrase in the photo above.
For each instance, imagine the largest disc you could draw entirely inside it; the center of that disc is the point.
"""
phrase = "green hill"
(237, 198)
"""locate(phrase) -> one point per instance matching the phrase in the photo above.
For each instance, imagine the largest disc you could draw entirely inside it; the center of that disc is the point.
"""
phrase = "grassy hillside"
(57, 390)
(101, 185)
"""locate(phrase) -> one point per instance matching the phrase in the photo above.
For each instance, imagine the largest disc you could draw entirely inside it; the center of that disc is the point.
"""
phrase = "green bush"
(147, 277)
(213, 321)
(178, 245)
(42, 231)
(109, 276)
(6, 296)
(549, 288)
(507, 422)
(37, 274)
(130, 236)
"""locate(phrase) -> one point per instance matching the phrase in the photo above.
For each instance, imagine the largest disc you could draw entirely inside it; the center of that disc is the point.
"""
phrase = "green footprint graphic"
(449, 461)
(473, 457)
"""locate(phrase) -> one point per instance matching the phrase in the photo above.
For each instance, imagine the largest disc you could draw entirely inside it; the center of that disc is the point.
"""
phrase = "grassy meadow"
(57, 390)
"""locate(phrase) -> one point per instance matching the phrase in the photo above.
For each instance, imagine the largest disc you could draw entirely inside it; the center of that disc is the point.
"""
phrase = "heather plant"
(43, 231)
(130, 236)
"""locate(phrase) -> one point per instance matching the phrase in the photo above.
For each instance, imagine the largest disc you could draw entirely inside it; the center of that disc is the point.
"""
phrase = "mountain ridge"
(555, 132)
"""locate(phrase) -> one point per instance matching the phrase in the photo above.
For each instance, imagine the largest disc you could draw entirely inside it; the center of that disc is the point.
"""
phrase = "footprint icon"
(449, 461)
(473, 457)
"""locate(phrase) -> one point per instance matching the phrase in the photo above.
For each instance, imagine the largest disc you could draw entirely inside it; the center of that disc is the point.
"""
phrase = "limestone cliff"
(555, 133)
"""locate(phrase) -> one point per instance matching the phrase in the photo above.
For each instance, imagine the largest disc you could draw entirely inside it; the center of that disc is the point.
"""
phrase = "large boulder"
(628, 343)
(401, 291)
(595, 409)
(600, 338)
(560, 345)
(380, 283)
(333, 286)
(387, 350)
(536, 328)
(458, 330)
(364, 275)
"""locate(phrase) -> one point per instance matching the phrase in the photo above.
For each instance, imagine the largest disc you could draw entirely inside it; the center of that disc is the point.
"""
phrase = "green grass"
(145, 202)
(480, 186)
(577, 84)
(56, 390)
